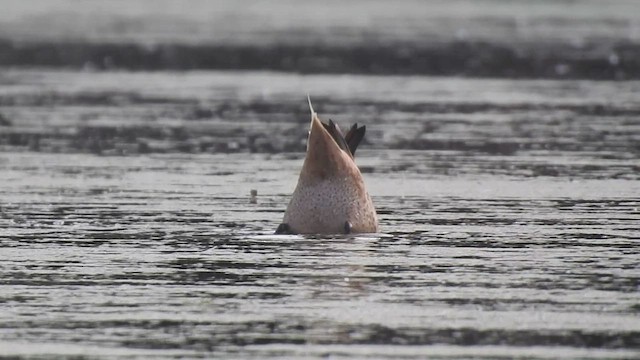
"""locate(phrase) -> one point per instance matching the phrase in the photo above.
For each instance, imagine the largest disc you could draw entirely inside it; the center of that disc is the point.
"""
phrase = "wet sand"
(483, 38)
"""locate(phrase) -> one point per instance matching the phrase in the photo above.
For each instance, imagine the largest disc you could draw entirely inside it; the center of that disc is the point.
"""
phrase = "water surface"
(510, 215)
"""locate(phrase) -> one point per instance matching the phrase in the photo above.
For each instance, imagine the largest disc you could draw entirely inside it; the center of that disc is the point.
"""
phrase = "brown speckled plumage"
(330, 190)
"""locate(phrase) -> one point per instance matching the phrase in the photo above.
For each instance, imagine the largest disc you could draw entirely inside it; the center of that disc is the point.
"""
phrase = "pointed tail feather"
(354, 137)
(336, 134)
(311, 106)
(350, 142)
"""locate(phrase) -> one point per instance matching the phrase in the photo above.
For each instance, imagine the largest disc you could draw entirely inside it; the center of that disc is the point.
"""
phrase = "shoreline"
(594, 60)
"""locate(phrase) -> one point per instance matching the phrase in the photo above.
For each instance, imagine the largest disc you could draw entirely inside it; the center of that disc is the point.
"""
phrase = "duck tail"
(311, 106)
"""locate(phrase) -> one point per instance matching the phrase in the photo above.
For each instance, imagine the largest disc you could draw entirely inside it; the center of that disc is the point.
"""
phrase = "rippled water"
(510, 214)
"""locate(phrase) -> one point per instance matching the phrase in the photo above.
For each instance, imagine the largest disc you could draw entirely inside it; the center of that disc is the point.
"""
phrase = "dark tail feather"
(350, 142)
(354, 137)
(336, 134)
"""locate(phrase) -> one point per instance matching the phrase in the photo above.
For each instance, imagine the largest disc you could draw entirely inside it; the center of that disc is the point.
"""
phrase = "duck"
(330, 196)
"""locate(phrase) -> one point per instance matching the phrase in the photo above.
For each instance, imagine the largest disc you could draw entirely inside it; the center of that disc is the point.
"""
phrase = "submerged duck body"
(330, 197)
